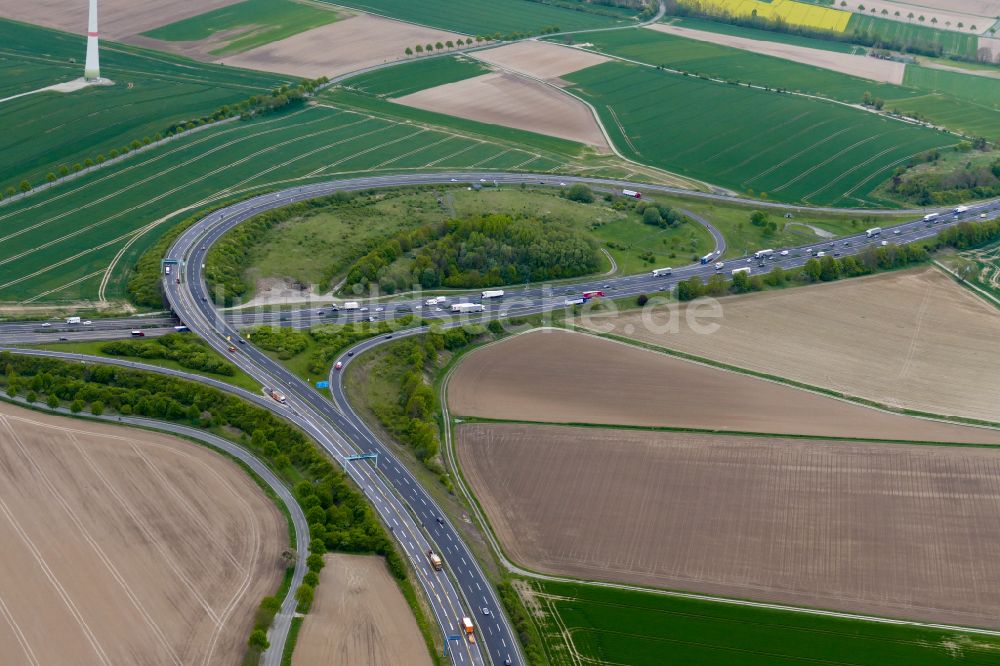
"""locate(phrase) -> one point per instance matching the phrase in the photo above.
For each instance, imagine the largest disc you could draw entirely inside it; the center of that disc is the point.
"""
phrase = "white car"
(87, 323)
(719, 266)
(784, 253)
(46, 325)
(379, 309)
(982, 215)
(897, 232)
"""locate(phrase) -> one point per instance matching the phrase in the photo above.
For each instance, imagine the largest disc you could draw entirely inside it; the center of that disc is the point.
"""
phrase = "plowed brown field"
(889, 529)
(543, 60)
(911, 339)
(127, 547)
(359, 618)
(561, 377)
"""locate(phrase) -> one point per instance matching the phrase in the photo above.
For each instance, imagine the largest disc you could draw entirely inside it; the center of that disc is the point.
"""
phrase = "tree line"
(187, 350)
(474, 252)
(821, 269)
(964, 182)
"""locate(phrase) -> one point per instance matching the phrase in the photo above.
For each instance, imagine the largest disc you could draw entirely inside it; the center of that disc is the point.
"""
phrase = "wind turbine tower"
(92, 68)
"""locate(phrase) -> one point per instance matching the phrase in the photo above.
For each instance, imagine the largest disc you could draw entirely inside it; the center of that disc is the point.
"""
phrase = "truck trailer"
(873, 232)
(72, 320)
(351, 305)
(435, 560)
(745, 269)
(763, 254)
(469, 629)
(467, 307)
(495, 293)
(632, 193)
(662, 272)
(279, 396)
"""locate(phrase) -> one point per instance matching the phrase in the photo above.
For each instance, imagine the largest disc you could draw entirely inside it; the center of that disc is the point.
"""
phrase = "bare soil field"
(506, 99)
(542, 60)
(856, 65)
(118, 19)
(911, 339)
(337, 48)
(127, 547)
(889, 529)
(359, 618)
(560, 377)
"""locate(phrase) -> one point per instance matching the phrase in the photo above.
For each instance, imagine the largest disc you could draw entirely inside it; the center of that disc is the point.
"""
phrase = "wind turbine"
(92, 68)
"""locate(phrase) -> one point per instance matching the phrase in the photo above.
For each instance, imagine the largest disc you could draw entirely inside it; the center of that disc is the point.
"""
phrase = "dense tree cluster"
(660, 215)
(187, 350)
(966, 235)
(477, 252)
(963, 183)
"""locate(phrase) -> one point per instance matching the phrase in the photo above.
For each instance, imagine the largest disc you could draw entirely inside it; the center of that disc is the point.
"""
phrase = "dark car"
(389, 337)
(350, 353)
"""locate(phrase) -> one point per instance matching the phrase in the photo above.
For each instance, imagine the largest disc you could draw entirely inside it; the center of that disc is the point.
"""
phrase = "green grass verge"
(240, 379)
(248, 24)
(608, 625)
(293, 637)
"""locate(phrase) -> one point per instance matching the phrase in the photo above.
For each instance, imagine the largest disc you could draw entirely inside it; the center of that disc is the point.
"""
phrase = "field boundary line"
(112, 569)
(61, 287)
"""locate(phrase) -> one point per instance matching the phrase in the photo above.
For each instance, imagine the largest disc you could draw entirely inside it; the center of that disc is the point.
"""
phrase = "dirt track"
(897, 530)
(910, 339)
(359, 618)
(513, 101)
(127, 547)
(562, 377)
(337, 48)
(542, 60)
(117, 19)
(856, 65)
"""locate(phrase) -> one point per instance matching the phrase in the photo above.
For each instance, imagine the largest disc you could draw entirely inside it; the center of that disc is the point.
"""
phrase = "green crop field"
(731, 64)
(249, 24)
(789, 147)
(597, 625)
(486, 17)
(151, 89)
(915, 34)
(982, 91)
(417, 75)
(57, 246)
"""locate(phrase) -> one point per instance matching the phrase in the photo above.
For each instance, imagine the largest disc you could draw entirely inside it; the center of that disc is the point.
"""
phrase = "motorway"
(411, 514)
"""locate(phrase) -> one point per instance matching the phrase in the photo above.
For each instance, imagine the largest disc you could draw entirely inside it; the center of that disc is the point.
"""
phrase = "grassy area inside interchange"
(607, 625)
(486, 17)
(151, 90)
(796, 149)
(249, 24)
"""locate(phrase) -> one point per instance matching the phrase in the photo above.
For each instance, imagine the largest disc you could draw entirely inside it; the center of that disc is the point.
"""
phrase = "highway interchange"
(414, 519)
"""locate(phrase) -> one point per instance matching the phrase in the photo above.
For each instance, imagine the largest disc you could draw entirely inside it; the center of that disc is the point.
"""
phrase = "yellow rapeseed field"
(793, 13)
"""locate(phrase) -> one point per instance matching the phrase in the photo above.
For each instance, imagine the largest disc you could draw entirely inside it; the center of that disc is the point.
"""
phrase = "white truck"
(763, 254)
(72, 320)
(574, 301)
(745, 269)
(873, 232)
(662, 272)
(961, 209)
(930, 217)
(467, 307)
(494, 293)
(351, 305)
(436, 300)
(632, 193)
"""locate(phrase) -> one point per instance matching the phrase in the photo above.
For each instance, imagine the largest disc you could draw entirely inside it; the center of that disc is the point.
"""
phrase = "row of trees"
(447, 45)
(477, 252)
(911, 16)
(825, 269)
